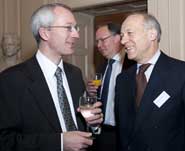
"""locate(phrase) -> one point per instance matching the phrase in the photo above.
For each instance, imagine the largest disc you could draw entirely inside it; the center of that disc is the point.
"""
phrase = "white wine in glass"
(86, 104)
(86, 111)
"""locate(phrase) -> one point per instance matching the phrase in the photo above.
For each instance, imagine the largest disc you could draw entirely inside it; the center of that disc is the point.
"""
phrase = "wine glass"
(97, 79)
(86, 104)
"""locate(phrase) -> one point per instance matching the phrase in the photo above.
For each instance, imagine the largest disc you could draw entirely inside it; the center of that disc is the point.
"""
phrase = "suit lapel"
(40, 90)
(129, 92)
(152, 91)
(77, 88)
(73, 78)
(71, 83)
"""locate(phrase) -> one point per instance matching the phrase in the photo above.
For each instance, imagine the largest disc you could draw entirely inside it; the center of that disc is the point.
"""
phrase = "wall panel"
(170, 14)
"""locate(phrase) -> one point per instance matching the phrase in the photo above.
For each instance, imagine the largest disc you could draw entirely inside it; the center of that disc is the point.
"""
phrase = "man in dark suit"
(109, 45)
(156, 122)
(37, 111)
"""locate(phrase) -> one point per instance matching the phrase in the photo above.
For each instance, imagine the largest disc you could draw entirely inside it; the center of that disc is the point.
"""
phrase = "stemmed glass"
(97, 81)
(86, 104)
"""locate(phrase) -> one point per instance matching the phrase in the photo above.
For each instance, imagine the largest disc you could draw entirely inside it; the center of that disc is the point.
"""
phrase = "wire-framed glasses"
(70, 28)
(103, 39)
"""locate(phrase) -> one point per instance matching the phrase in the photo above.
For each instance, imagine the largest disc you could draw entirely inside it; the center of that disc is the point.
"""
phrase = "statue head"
(10, 44)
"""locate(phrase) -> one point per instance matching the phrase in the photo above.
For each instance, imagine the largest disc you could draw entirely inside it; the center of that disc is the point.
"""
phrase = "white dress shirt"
(116, 69)
(152, 62)
(49, 68)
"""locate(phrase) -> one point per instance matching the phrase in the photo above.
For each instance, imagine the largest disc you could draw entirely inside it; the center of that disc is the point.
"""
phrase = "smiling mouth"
(127, 49)
(71, 44)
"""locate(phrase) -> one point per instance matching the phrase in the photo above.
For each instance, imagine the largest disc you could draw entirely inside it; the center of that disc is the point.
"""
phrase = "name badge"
(161, 99)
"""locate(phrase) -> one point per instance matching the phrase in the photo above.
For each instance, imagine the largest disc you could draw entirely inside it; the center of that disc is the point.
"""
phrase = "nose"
(98, 43)
(124, 39)
(75, 34)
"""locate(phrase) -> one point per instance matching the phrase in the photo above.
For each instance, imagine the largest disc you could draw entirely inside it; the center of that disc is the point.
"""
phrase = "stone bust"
(10, 49)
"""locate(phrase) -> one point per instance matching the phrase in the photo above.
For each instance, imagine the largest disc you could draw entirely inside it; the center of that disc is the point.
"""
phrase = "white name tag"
(161, 99)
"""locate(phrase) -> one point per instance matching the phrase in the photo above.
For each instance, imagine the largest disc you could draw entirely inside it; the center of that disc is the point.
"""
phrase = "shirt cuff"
(62, 142)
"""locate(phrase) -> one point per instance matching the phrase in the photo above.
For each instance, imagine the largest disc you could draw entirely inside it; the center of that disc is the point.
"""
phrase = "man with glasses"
(39, 98)
(109, 45)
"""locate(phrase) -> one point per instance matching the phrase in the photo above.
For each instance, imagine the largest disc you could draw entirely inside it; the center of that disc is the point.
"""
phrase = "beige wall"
(28, 42)
(15, 17)
(1, 22)
(171, 15)
(9, 17)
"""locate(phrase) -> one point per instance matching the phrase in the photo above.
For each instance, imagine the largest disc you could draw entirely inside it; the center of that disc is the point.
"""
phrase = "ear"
(152, 34)
(44, 33)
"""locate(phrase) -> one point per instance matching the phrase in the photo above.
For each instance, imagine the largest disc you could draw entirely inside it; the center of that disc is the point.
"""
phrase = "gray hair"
(150, 22)
(44, 17)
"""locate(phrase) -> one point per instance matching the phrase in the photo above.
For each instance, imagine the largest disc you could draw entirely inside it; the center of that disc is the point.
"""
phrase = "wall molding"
(170, 14)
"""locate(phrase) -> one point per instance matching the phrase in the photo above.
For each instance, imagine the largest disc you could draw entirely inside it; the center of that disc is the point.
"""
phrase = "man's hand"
(77, 140)
(97, 117)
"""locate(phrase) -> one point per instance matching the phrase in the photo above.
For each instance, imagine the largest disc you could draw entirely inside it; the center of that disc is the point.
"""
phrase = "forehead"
(102, 31)
(64, 16)
(132, 22)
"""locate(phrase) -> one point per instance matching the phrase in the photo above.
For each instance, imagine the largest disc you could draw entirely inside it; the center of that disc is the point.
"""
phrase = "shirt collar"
(154, 59)
(117, 57)
(47, 66)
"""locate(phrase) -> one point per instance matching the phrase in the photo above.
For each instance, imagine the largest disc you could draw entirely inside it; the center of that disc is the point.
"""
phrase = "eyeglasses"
(70, 28)
(103, 39)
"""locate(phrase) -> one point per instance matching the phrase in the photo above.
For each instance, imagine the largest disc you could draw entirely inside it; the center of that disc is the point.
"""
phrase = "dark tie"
(63, 101)
(106, 84)
(141, 83)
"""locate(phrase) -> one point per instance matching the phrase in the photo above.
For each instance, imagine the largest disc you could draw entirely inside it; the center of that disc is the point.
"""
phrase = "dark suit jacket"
(28, 118)
(152, 128)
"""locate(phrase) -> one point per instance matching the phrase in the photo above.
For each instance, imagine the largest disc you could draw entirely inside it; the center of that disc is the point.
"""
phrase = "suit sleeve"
(183, 97)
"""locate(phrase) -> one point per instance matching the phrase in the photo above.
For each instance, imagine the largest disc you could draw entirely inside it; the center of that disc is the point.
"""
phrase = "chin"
(131, 57)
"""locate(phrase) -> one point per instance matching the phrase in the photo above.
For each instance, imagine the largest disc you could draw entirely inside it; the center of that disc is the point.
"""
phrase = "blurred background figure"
(108, 42)
(11, 47)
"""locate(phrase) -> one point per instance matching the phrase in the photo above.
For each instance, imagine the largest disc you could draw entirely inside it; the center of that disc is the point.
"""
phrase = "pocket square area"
(161, 99)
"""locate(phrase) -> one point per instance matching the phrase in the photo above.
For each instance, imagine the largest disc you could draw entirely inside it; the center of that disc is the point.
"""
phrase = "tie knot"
(58, 72)
(143, 67)
(111, 61)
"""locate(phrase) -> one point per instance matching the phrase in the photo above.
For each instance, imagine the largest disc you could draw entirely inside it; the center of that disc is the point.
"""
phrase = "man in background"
(150, 96)
(109, 45)
(39, 97)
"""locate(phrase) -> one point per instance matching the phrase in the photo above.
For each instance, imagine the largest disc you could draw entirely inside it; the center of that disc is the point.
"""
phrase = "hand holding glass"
(86, 104)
